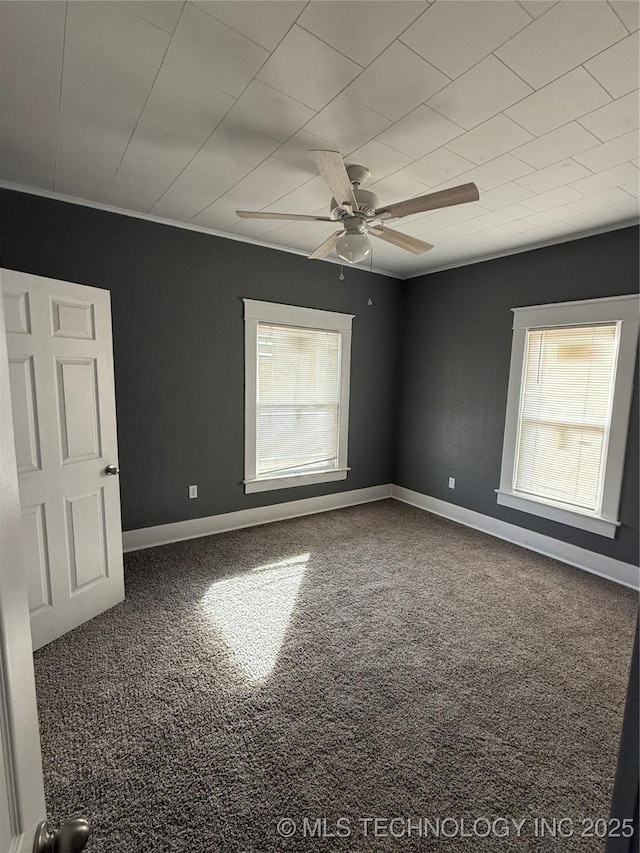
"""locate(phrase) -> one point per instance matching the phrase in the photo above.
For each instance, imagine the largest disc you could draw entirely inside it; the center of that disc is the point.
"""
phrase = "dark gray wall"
(435, 349)
(455, 371)
(176, 299)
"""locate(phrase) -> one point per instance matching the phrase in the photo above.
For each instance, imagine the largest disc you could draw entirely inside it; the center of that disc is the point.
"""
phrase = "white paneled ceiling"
(189, 111)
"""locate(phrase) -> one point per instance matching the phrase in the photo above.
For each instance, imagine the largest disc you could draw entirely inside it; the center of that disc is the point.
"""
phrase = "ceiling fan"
(359, 212)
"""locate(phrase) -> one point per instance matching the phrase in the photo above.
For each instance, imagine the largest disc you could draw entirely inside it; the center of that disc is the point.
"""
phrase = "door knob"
(70, 838)
(112, 469)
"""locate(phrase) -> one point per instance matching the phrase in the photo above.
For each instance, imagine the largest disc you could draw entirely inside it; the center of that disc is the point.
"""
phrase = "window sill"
(267, 484)
(555, 512)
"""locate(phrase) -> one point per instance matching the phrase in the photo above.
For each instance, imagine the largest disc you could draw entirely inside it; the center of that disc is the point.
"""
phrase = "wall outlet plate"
(452, 482)
(193, 491)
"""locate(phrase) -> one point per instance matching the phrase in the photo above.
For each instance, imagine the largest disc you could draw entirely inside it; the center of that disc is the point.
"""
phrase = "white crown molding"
(172, 223)
(530, 247)
(597, 564)
(186, 226)
(162, 534)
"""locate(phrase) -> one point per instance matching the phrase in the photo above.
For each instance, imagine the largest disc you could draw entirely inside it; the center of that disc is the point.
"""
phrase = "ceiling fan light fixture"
(353, 247)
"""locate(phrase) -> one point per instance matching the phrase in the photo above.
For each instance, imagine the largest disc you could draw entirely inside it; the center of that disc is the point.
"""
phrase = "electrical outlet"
(193, 491)
(452, 482)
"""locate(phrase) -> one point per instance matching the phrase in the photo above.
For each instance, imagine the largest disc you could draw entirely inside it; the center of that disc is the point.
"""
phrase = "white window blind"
(298, 400)
(565, 413)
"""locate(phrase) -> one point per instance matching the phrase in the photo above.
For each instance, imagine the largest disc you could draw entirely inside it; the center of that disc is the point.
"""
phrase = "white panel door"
(62, 391)
(22, 804)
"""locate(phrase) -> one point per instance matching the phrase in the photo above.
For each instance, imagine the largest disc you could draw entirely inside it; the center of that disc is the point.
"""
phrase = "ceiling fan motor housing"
(367, 204)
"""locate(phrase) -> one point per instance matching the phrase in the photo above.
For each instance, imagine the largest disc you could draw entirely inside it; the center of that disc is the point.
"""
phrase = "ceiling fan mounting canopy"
(359, 213)
(358, 175)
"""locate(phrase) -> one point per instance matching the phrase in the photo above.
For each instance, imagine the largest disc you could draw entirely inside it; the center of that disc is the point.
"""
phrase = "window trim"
(623, 310)
(311, 318)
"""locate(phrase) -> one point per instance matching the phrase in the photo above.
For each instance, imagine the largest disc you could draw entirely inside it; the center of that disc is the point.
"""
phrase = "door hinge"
(71, 837)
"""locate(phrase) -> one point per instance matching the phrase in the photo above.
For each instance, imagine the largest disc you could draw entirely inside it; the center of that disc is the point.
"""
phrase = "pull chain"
(341, 272)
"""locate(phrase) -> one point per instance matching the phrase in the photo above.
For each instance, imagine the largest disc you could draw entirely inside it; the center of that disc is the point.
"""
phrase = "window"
(297, 365)
(570, 388)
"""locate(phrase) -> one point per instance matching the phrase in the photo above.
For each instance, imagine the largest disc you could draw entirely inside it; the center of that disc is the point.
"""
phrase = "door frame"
(21, 758)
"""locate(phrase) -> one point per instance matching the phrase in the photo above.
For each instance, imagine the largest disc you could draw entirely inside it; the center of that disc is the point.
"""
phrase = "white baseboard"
(597, 564)
(163, 534)
(148, 537)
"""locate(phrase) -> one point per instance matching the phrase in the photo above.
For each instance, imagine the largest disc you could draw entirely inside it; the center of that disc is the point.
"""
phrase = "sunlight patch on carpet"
(252, 611)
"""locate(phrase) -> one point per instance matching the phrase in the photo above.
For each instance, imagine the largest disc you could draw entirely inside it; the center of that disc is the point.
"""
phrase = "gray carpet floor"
(374, 661)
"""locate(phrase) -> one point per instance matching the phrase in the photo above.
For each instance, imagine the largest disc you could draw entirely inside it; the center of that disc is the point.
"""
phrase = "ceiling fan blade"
(263, 214)
(331, 166)
(327, 247)
(432, 201)
(403, 241)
